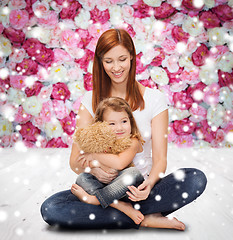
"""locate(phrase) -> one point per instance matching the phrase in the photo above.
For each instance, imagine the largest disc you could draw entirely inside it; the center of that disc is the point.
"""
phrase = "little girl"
(117, 113)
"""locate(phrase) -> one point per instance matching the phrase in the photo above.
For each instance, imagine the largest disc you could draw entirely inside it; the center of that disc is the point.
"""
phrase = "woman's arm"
(120, 161)
(84, 119)
(159, 157)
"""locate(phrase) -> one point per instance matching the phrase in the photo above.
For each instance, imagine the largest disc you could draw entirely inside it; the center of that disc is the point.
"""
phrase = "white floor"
(28, 178)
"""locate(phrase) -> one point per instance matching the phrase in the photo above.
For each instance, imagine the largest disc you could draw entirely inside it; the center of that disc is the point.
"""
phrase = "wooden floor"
(28, 178)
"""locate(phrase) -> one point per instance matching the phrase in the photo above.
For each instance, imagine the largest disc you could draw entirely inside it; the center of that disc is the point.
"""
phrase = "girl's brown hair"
(101, 81)
(118, 105)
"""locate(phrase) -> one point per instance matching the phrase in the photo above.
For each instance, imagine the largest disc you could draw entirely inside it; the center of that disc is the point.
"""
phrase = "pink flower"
(148, 83)
(68, 123)
(84, 61)
(171, 63)
(224, 12)
(46, 111)
(172, 136)
(169, 94)
(179, 35)
(219, 139)
(27, 67)
(141, 10)
(34, 89)
(99, 16)
(60, 91)
(140, 67)
(61, 56)
(56, 143)
(70, 11)
(21, 116)
(157, 61)
(16, 37)
(76, 104)
(17, 55)
(184, 127)
(5, 141)
(17, 4)
(190, 77)
(88, 84)
(33, 46)
(17, 81)
(45, 56)
(29, 132)
(96, 29)
(84, 38)
(45, 92)
(211, 94)
(18, 18)
(218, 51)
(165, 10)
(209, 19)
(41, 9)
(50, 21)
(60, 109)
(200, 55)
(169, 46)
(225, 79)
(198, 113)
(69, 38)
(182, 100)
(205, 132)
(196, 91)
(184, 141)
(174, 77)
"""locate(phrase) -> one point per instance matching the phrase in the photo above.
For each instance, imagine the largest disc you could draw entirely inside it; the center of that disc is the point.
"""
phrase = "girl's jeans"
(169, 194)
(116, 190)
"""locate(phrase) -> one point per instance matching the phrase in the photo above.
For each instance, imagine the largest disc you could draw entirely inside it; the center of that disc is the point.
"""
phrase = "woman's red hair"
(102, 82)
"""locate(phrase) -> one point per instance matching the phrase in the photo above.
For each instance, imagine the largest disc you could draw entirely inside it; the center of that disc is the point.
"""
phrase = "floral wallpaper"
(184, 48)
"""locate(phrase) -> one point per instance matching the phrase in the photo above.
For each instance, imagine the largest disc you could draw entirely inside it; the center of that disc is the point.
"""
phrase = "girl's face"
(116, 63)
(119, 122)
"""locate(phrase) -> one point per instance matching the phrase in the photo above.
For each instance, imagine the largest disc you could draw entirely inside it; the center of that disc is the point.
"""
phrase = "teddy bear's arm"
(118, 161)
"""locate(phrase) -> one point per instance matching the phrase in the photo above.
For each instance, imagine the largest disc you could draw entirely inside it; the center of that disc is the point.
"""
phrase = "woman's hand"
(141, 192)
(104, 176)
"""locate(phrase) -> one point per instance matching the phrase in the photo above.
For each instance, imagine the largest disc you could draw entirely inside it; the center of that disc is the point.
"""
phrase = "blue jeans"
(115, 190)
(169, 194)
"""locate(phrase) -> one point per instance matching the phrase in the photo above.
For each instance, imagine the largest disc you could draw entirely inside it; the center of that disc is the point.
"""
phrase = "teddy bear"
(99, 138)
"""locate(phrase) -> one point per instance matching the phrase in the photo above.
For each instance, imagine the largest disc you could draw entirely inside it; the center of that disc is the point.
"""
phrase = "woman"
(114, 71)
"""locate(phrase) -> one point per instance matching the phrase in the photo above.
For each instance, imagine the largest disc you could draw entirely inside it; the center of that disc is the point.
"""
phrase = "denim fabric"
(117, 189)
(65, 210)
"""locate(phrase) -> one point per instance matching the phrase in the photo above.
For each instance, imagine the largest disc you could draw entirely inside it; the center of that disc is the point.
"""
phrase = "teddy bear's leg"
(119, 186)
(89, 183)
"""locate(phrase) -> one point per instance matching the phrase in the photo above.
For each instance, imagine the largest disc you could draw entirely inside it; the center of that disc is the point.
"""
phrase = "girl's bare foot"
(156, 220)
(127, 209)
(83, 196)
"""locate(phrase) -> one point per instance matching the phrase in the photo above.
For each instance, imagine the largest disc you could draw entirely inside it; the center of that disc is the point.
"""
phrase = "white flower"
(178, 18)
(115, 15)
(148, 55)
(32, 105)
(215, 115)
(208, 74)
(178, 86)
(76, 89)
(225, 63)
(217, 36)
(153, 3)
(4, 16)
(41, 33)
(6, 127)
(82, 20)
(131, 2)
(176, 4)
(139, 45)
(75, 53)
(58, 74)
(16, 96)
(45, 92)
(177, 114)
(5, 47)
(103, 4)
(53, 129)
(209, 3)
(171, 63)
(230, 3)
(186, 62)
(159, 75)
(16, 4)
(41, 9)
(193, 26)
(127, 12)
(88, 4)
(226, 97)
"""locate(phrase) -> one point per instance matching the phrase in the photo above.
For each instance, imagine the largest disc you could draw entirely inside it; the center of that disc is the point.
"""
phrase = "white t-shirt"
(155, 103)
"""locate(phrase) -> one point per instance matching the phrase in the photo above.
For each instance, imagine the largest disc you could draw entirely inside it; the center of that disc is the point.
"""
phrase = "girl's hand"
(84, 159)
(104, 176)
(141, 192)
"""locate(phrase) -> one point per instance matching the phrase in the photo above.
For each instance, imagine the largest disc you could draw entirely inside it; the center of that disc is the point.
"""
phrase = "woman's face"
(119, 122)
(116, 63)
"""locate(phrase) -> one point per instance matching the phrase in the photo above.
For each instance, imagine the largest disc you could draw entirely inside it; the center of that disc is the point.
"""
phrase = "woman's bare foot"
(83, 196)
(128, 209)
(156, 220)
